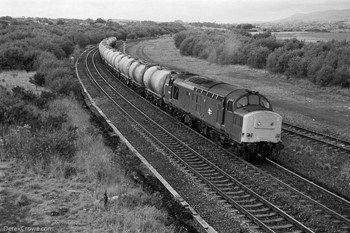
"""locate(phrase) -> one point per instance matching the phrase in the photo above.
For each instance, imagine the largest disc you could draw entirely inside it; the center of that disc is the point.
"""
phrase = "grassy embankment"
(62, 145)
(48, 143)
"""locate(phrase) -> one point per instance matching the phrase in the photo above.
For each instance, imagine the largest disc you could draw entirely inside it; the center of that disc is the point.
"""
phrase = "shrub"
(257, 57)
(322, 63)
(325, 75)
(40, 146)
(66, 86)
(297, 67)
(179, 37)
(341, 76)
(38, 79)
(11, 58)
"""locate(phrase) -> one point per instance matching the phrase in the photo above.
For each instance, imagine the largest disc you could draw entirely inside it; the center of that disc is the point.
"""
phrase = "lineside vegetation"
(323, 63)
(52, 135)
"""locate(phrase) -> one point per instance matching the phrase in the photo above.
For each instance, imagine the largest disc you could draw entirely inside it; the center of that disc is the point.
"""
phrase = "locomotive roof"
(216, 87)
(223, 89)
(201, 82)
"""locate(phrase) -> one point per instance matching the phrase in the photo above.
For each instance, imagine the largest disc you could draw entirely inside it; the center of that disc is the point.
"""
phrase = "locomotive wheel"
(274, 153)
(266, 152)
(248, 156)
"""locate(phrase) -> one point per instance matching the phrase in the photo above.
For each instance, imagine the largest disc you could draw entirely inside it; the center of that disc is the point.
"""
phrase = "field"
(313, 36)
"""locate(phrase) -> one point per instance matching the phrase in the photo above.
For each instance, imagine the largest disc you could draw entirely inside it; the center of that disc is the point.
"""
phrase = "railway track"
(228, 187)
(263, 213)
(336, 143)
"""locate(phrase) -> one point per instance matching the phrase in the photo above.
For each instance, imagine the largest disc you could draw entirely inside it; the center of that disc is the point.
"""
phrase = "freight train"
(240, 119)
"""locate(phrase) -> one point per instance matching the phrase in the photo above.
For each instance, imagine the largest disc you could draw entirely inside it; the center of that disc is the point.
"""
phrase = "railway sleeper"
(239, 197)
(266, 215)
(280, 227)
(274, 220)
(221, 181)
(253, 205)
(205, 173)
(195, 162)
(225, 189)
(260, 210)
(214, 177)
(235, 192)
(246, 201)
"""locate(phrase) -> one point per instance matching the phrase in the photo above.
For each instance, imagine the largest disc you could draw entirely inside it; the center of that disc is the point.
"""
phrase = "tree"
(99, 20)
(60, 22)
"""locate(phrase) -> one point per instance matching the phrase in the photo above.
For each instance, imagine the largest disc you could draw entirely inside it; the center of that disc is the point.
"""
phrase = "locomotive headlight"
(249, 135)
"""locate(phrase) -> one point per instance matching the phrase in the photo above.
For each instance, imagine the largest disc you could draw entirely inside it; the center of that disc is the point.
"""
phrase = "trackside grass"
(320, 164)
(71, 158)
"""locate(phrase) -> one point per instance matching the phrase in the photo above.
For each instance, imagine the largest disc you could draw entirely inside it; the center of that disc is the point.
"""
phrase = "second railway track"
(335, 143)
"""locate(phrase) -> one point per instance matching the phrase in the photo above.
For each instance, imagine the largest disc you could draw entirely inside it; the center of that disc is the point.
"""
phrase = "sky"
(218, 11)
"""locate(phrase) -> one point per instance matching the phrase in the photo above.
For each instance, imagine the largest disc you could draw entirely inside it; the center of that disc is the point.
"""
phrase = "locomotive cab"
(254, 125)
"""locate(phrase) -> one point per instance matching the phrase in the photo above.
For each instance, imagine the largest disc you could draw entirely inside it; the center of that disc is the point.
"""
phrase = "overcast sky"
(219, 11)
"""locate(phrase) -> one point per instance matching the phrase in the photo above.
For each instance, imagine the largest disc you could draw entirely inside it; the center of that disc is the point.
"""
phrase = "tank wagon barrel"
(235, 117)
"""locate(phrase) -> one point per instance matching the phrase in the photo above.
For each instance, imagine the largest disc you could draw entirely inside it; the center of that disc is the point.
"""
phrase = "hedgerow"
(323, 63)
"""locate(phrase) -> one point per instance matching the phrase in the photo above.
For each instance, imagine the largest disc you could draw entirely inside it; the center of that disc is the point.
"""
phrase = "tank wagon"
(237, 118)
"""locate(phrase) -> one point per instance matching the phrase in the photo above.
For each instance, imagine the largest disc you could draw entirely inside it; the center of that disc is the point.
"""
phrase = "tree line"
(323, 63)
(36, 128)
(22, 42)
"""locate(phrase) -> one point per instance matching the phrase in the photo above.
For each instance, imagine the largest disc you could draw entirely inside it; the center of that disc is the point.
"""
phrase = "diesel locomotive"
(240, 119)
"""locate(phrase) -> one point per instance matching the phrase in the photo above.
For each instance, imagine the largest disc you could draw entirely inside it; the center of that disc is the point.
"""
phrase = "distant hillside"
(318, 16)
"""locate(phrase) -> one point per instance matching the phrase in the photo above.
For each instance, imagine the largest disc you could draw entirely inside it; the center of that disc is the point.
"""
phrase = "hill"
(318, 16)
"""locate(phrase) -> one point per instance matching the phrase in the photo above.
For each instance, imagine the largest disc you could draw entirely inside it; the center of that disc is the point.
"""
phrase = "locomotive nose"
(261, 126)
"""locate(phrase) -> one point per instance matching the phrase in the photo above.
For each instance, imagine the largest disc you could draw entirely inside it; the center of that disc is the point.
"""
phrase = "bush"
(40, 146)
(179, 37)
(322, 63)
(325, 75)
(38, 79)
(11, 58)
(66, 85)
(342, 76)
(257, 57)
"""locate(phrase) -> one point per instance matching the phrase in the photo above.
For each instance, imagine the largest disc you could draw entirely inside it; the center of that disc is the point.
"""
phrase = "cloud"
(221, 11)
